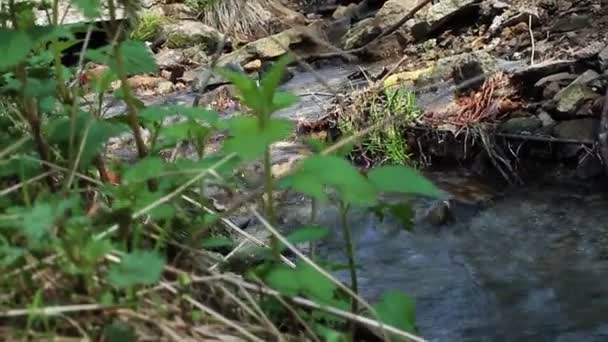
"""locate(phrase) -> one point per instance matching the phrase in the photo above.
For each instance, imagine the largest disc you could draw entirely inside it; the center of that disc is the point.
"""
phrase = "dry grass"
(255, 17)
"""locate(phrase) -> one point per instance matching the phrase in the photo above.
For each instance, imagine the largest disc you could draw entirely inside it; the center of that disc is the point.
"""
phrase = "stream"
(530, 264)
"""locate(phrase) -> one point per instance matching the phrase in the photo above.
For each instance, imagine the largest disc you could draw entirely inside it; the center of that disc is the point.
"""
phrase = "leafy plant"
(108, 231)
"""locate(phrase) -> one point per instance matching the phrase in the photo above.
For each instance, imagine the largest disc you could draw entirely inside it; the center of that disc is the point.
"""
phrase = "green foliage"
(137, 268)
(396, 109)
(148, 26)
(73, 214)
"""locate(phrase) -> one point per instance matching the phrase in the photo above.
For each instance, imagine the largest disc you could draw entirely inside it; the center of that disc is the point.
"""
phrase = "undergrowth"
(148, 26)
(103, 251)
(397, 107)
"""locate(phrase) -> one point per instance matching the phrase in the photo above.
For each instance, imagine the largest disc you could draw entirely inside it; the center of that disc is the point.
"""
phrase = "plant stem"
(313, 218)
(269, 203)
(349, 243)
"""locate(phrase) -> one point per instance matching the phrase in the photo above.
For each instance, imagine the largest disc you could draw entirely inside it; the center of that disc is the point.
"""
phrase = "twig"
(54, 310)
(19, 185)
(531, 39)
(328, 309)
(212, 313)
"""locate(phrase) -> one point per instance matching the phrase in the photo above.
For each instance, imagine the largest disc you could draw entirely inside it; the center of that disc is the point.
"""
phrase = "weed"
(397, 106)
(148, 26)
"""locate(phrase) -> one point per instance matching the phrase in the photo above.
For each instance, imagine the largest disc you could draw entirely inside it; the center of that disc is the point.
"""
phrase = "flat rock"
(438, 14)
(266, 48)
(169, 58)
(570, 98)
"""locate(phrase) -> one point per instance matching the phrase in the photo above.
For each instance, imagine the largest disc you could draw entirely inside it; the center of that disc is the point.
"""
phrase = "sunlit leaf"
(217, 242)
(283, 100)
(249, 139)
(16, 46)
(90, 8)
(137, 268)
(272, 79)
(149, 167)
(398, 310)
(308, 234)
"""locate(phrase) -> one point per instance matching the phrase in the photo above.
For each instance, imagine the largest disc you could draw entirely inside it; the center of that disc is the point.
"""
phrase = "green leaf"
(119, 332)
(249, 139)
(136, 57)
(249, 92)
(330, 335)
(217, 242)
(272, 79)
(403, 212)
(149, 167)
(137, 268)
(403, 180)
(397, 310)
(282, 279)
(307, 234)
(282, 100)
(90, 8)
(319, 171)
(38, 221)
(16, 46)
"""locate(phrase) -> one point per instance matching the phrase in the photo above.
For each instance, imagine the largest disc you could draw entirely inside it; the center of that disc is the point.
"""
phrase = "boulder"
(187, 33)
(392, 11)
(169, 58)
(519, 125)
(571, 23)
(266, 48)
(360, 34)
(437, 15)
(579, 129)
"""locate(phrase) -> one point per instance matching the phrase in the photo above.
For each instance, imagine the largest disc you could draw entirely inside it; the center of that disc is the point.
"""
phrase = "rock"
(195, 55)
(392, 11)
(169, 58)
(570, 98)
(254, 65)
(545, 119)
(462, 67)
(589, 166)
(188, 33)
(578, 129)
(526, 124)
(603, 58)
(265, 48)
(571, 23)
(265, 68)
(207, 78)
(437, 15)
(439, 213)
(349, 11)
(587, 77)
(589, 50)
(533, 73)
(165, 87)
(360, 34)
(561, 76)
(337, 29)
(551, 90)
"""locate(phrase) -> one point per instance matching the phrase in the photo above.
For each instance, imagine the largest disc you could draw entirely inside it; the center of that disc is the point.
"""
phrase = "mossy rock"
(185, 34)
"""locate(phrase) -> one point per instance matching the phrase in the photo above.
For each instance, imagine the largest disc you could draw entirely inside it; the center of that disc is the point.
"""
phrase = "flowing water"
(530, 266)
